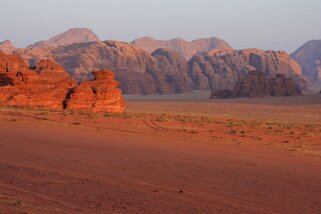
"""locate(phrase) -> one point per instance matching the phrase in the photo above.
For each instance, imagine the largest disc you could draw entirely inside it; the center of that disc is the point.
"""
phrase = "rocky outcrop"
(309, 57)
(183, 47)
(72, 36)
(48, 86)
(256, 84)
(45, 86)
(98, 95)
(220, 69)
(7, 47)
(138, 71)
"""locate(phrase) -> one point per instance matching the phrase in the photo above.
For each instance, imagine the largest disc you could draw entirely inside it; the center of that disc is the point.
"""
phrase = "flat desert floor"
(166, 154)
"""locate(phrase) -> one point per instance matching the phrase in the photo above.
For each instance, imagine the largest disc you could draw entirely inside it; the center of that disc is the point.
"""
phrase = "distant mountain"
(221, 69)
(185, 48)
(309, 57)
(7, 47)
(138, 71)
(161, 71)
(74, 35)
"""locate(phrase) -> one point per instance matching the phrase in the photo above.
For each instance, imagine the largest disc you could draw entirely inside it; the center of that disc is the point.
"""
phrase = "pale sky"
(265, 24)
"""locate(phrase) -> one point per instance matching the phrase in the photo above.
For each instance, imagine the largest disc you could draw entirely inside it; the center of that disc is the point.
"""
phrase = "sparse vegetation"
(232, 131)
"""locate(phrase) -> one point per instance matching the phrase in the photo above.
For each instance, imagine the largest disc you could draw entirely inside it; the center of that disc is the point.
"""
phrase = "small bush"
(232, 131)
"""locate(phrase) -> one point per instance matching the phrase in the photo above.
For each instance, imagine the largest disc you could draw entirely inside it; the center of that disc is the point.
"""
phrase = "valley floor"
(164, 155)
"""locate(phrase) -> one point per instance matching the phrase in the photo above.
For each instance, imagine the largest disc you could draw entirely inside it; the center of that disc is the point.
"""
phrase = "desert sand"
(166, 154)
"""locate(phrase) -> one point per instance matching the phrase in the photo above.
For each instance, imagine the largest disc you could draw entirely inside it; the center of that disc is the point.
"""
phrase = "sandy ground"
(165, 155)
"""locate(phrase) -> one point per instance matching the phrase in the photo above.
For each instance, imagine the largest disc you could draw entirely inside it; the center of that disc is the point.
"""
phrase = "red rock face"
(98, 95)
(45, 86)
(49, 86)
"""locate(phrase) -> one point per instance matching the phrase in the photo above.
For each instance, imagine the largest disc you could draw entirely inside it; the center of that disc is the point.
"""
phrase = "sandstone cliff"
(220, 69)
(256, 84)
(138, 71)
(7, 47)
(183, 47)
(98, 95)
(48, 86)
(309, 57)
(45, 86)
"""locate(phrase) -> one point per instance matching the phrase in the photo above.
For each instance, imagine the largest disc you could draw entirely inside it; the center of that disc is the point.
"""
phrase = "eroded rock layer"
(47, 85)
(98, 95)
(256, 84)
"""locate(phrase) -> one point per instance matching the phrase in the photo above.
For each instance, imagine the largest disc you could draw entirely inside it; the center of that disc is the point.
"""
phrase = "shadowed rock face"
(75, 35)
(7, 47)
(48, 86)
(220, 69)
(256, 84)
(138, 71)
(309, 57)
(175, 69)
(183, 47)
(98, 95)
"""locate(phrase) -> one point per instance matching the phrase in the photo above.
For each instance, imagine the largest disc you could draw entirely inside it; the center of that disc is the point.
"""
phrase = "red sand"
(51, 162)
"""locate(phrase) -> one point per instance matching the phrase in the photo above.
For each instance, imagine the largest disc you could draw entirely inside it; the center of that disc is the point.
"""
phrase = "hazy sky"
(266, 24)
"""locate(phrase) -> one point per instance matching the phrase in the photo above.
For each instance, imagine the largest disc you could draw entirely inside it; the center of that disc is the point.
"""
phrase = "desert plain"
(165, 154)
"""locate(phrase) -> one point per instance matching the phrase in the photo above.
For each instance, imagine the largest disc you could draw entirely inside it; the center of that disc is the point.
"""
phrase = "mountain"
(164, 70)
(221, 69)
(185, 48)
(309, 57)
(7, 47)
(138, 71)
(74, 35)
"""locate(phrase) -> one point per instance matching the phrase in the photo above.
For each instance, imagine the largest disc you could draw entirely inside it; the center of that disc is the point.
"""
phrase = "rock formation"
(7, 47)
(183, 47)
(309, 57)
(164, 70)
(45, 86)
(138, 71)
(98, 95)
(220, 69)
(48, 86)
(256, 84)
(72, 36)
